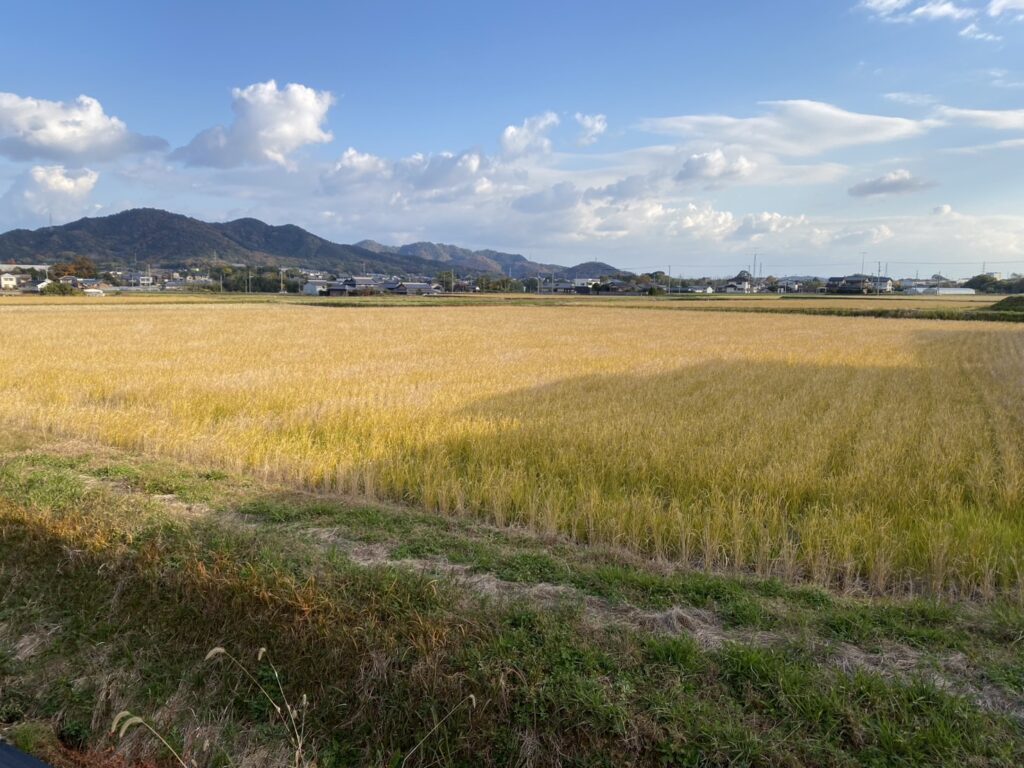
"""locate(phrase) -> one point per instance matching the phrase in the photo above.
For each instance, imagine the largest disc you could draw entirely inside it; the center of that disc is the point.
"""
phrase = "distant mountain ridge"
(163, 239)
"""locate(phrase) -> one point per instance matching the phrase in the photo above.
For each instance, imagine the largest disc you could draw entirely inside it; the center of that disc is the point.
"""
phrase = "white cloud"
(270, 124)
(47, 191)
(892, 183)
(793, 128)
(353, 164)
(73, 132)
(704, 222)
(755, 226)
(530, 137)
(974, 32)
(1001, 79)
(911, 99)
(943, 210)
(942, 9)
(556, 198)
(593, 126)
(715, 165)
(445, 170)
(995, 119)
(884, 8)
(999, 7)
(859, 236)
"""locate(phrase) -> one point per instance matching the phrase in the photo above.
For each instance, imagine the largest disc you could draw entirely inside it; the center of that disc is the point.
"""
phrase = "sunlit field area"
(858, 452)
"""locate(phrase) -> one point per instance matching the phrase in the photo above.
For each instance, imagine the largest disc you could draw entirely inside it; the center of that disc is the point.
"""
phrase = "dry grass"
(886, 454)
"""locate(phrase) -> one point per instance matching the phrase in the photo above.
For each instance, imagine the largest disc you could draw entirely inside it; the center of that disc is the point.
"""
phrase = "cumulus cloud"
(555, 198)
(893, 183)
(270, 124)
(72, 132)
(884, 8)
(943, 210)
(47, 191)
(353, 164)
(439, 177)
(999, 7)
(755, 226)
(793, 128)
(530, 137)
(713, 166)
(703, 221)
(444, 170)
(593, 126)
(942, 9)
(996, 119)
(857, 236)
(974, 32)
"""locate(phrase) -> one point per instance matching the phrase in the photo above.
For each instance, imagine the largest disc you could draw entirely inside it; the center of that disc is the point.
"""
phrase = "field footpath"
(119, 572)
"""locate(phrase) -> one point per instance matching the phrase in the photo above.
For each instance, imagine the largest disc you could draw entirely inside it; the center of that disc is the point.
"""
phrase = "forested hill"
(162, 239)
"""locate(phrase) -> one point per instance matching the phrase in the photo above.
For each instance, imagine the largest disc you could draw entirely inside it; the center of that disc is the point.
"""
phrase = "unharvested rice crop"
(858, 452)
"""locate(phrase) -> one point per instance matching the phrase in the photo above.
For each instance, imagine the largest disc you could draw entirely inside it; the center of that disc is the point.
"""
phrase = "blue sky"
(650, 134)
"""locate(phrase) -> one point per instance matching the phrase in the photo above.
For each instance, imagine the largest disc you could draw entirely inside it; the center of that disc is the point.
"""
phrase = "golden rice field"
(856, 452)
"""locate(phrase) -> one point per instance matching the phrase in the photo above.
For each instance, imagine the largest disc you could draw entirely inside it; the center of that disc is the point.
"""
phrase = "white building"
(940, 291)
(316, 287)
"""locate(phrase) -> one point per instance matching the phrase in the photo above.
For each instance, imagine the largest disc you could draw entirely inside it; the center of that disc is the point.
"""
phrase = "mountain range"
(156, 238)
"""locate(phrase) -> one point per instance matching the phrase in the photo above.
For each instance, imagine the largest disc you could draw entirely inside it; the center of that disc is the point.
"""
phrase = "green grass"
(1009, 304)
(128, 596)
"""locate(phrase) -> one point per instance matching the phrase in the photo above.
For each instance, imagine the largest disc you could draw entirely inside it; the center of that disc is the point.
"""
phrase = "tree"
(58, 289)
(79, 266)
(982, 283)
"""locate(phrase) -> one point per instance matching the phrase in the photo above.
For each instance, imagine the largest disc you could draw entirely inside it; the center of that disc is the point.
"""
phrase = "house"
(834, 284)
(860, 284)
(93, 292)
(316, 287)
(8, 281)
(737, 287)
(350, 286)
(418, 289)
(742, 283)
(698, 289)
(616, 286)
(35, 287)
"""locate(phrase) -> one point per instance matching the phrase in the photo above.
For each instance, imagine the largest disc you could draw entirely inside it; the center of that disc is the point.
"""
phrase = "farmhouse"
(742, 286)
(35, 287)
(860, 284)
(316, 287)
(8, 282)
(417, 289)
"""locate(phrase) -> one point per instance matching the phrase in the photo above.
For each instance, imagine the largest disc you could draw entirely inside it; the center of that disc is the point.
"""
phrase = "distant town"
(81, 276)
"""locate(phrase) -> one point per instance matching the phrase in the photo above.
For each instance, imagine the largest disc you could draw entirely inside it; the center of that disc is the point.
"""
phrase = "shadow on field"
(895, 472)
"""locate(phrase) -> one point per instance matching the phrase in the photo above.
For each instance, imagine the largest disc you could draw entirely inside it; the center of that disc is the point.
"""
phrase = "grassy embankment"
(118, 573)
